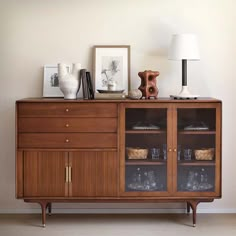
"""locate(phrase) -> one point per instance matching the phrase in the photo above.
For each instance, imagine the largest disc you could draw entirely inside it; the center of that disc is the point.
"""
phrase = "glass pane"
(193, 147)
(145, 178)
(153, 144)
(146, 149)
(196, 178)
(145, 119)
(197, 119)
(196, 149)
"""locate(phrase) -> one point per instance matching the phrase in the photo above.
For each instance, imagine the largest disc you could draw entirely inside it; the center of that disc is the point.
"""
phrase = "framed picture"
(111, 68)
(51, 81)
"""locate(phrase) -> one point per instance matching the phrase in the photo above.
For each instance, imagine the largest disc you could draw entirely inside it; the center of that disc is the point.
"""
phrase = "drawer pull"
(67, 125)
(67, 110)
(67, 140)
(170, 150)
(175, 150)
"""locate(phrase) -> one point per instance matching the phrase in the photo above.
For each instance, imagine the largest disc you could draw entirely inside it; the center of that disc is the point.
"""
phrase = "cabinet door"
(146, 137)
(44, 174)
(93, 174)
(197, 161)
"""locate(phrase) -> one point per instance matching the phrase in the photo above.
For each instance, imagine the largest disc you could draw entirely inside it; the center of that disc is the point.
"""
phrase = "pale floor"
(122, 225)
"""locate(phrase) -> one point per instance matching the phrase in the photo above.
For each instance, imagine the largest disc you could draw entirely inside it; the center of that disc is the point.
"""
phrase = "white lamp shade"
(184, 46)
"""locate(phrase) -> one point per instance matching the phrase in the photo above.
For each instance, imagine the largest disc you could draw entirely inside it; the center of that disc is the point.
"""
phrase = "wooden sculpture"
(148, 84)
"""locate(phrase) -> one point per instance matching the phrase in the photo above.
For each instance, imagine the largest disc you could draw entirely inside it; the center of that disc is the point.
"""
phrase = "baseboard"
(117, 211)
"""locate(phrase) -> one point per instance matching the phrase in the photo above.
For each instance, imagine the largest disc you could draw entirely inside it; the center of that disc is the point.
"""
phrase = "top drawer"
(67, 109)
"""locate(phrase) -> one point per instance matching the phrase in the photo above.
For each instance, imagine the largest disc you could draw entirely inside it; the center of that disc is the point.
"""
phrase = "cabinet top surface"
(158, 100)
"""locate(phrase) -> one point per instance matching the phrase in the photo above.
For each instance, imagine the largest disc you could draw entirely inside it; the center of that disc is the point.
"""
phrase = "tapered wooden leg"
(49, 207)
(193, 205)
(188, 208)
(43, 205)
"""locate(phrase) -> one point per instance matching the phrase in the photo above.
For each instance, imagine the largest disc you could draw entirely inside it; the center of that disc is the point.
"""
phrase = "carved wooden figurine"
(148, 83)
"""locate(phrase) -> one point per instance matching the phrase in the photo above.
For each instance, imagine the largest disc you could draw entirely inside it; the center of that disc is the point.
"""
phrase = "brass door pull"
(67, 174)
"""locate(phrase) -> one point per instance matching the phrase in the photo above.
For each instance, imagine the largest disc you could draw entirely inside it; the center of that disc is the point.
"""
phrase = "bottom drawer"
(67, 140)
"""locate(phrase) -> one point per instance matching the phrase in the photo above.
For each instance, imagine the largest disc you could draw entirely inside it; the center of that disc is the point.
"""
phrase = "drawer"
(67, 140)
(67, 109)
(51, 124)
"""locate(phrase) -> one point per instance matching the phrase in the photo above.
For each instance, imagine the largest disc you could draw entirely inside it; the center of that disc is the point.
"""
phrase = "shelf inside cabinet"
(145, 131)
(196, 163)
(145, 162)
(197, 132)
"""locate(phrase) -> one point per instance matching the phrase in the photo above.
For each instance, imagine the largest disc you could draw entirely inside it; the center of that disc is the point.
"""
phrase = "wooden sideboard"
(76, 151)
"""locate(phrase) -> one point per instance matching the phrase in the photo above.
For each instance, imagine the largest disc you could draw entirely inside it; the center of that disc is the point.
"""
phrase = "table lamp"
(184, 47)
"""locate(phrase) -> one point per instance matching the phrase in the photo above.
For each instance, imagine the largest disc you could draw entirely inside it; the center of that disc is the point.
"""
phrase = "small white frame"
(51, 81)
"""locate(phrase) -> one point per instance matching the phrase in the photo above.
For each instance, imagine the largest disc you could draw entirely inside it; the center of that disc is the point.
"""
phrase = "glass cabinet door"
(196, 150)
(145, 154)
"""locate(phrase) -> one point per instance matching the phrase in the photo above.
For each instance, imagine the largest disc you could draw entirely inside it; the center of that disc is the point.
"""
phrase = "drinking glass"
(164, 149)
(187, 154)
(155, 153)
(178, 152)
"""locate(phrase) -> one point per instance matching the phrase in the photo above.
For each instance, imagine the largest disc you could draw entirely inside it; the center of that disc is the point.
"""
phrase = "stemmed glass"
(178, 152)
(164, 149)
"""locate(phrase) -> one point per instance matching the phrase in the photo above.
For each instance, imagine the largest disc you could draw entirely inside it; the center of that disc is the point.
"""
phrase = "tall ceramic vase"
(69, 82)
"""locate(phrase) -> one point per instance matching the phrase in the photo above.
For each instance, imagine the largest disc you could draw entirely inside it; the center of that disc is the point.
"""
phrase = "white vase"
(111, 86)
(69, 82)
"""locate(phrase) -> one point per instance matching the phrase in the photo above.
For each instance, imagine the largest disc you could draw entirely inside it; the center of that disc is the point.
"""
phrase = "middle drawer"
(67, 140)
(46, 125)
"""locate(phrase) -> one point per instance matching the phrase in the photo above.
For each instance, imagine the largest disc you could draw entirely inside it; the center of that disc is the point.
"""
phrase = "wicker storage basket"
(137, 153)
(204, 154)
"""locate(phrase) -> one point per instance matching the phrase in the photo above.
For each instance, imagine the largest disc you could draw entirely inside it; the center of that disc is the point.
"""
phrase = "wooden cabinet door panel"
(44, 174)
(94, 174)
(197, 178)
(83, 174)
(148, 177)
(106, 174)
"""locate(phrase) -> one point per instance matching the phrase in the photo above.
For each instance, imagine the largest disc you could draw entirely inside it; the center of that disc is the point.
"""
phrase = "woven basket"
(137, 153)
(205, 154)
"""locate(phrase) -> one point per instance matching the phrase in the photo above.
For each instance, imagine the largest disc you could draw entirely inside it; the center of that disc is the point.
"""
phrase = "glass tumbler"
(187, 154)
(178, 152)
(155, 153)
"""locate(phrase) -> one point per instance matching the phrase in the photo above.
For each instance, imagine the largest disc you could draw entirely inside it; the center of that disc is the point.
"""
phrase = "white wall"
(34, 33)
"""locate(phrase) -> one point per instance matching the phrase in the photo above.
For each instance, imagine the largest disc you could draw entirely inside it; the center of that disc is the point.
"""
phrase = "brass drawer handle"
(67, 140)
(170, 150)
(67, 110)
(175, 150)
(67, 125)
